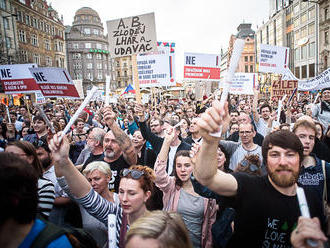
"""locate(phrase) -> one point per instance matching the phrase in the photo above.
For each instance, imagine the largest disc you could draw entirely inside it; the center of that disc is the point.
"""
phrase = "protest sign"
(54, 82)
(273, 59)
(79, 86)
(18, 79)
(202, 66)
(317, 83)
(243, 83)
(132, 35)
(283, 87)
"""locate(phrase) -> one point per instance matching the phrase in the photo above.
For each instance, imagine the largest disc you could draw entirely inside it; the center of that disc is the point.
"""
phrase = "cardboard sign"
(202, 66)
(18, 79)
(273, 59)
(54, 82)
(283, 87)
(132, 35)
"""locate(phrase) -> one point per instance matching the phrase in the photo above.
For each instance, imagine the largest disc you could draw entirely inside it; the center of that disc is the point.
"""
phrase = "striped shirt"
(46, 197)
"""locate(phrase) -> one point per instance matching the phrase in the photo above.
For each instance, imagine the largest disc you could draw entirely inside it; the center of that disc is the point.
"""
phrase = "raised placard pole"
(136, 79)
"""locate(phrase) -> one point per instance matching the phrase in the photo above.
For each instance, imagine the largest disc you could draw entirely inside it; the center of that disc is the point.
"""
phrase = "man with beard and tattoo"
(267, 209)
(62, 200)
(118, 149)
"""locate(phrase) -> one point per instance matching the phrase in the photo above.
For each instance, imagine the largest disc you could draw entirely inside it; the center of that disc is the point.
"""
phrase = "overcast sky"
(201, 26)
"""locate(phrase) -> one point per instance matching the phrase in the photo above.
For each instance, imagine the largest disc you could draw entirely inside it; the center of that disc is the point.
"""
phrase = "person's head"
(283, 153)
(27, 152)
(156, 126)
(138, 140)
(285, 126)
(179, 112)
(39, 125)
(247, 109)
(243, 118)
(223, 158)
(241, 104)
(175, 117)
(25, 131)
(265, 111)
(18, 190)
(185, 123)
(111, 147)
(193, 128)
(182, 167)
(135, 188)
(246, 133)
(234, 116)
(158, 229)
(80, 124)
(95, 139)
(325, 94)
(98, 174)
(319, 130)
(62, 123)
(306, 131)
(23, 111)
(190, 112)
(43, 152)
(233, 128)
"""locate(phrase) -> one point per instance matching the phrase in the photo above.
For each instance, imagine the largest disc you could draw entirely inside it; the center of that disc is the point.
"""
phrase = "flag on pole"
(129, 89)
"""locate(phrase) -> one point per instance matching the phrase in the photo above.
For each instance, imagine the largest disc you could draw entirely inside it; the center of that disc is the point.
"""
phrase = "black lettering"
(136, 21)
(5, 73)
(190, 60)
(121, 24)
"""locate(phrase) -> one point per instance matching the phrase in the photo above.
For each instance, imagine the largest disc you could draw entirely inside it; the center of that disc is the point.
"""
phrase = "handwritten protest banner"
(132, 35)
(317, 83)
(202, 66)
(18, 79)
(273, 59)
(54, 82)
(283, 87)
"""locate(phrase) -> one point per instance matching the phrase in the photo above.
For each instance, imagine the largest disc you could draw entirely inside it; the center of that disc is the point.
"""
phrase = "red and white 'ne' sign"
(202, 66)
(54, 82)
(18, 79)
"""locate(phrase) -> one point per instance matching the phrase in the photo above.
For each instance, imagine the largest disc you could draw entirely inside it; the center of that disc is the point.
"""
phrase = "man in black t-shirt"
(266, 207)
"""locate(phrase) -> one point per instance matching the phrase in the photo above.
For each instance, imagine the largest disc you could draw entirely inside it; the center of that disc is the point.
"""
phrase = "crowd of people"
(153, 175)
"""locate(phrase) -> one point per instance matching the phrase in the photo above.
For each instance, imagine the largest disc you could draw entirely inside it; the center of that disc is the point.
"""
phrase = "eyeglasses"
(135, 174)
(245, 132)
(252, 167)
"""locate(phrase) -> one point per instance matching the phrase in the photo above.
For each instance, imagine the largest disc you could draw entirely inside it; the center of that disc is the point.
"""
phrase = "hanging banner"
(132, 35)
(283, 87)
(201, 66)
(243, 83)
(54, 82)
(18, 79)
(273, 59)
(317, 83)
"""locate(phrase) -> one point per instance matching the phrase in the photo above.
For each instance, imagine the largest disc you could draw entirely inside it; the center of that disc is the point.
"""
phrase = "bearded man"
(321, 111)
(267, 209)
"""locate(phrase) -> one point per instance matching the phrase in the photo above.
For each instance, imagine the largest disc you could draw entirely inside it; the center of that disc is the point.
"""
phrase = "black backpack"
(77, 237)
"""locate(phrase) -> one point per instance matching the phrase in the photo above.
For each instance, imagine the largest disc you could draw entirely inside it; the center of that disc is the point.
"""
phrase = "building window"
(105, 66)
(311, 14)
(326, 13)
(118, 73)
(27, 19)
(246, 68)
(304, 71)
(297, 35)
(48, 61)
(60, 46)
(8, 42)
(22, 36)
(99, 75)
(88, 45)
(326, 37)
(24, 56)
(89, 76)
(99, 65)
(311, 70)
(311, 28)
(304, 52)
(296, 22)
(75, 45)
(251, 68)
(304, 18)
(89, 65)
(303, 32)
(325, 62)
(98, 56)
(47, 28)
(36, 59)
(77, 66)
(246, 58)
(47, 44)
(98, 46)
(297, 53)
(296, 9)
(3, 4)
(53, 31)
(34, 40)
(19, 16)
(311, 49)
(76, 56)
(96, 31)
(6, 23)
(251, 58)
(87, 31)
(89, 56)
(297, 72)
(34, 22)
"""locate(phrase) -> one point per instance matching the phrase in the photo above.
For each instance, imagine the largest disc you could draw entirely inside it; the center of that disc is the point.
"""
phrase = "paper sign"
(132, 35)
(202, 66)
(283, 87)
(54, 82)
(273, 59)
(317, 83)
(243, 83)
(18, 79)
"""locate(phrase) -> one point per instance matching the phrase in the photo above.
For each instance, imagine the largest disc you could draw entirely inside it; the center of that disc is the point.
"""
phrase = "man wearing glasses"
(238, 150)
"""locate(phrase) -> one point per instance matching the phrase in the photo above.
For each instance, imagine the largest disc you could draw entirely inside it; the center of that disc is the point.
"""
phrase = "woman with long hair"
(135, 189)
(46, 191)
(179, 196)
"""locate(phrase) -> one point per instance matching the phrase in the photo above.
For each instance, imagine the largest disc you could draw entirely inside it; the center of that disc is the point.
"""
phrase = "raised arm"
(122, 139)
(205, 170)
(255, 106)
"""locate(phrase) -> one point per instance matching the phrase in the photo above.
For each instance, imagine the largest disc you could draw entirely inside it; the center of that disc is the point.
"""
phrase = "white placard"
(273, 59)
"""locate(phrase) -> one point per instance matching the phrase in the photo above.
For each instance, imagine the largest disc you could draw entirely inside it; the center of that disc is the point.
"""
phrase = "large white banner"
(243, 84)
(132, 35)
(273, 59)
(317, 83)
(199, 66)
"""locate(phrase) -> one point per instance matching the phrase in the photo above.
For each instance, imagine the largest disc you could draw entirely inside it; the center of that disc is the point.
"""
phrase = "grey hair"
(98, 165)
(99, 134)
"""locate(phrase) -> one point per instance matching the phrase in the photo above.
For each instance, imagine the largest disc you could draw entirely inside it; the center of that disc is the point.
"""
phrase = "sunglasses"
(135, 174)
(252, 167)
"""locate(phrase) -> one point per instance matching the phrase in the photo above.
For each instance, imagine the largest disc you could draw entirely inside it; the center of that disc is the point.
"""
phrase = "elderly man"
(321, 111)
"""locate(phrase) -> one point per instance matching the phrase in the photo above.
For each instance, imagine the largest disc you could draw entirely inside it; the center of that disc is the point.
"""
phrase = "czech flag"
(129, 89)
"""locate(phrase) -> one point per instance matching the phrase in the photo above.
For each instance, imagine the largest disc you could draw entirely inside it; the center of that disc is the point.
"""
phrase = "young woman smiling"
(197, 212)
(135, 189)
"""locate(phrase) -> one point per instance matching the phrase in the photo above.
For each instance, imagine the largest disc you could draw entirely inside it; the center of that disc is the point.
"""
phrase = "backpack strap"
(47, 235)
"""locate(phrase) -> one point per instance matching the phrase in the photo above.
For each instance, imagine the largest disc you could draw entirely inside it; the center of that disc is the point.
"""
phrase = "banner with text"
(201, 66)
(273, 59)
(18, 79)
(54, 82)
(283, 87)
(317, 83)
(243, 83)
(132, 35)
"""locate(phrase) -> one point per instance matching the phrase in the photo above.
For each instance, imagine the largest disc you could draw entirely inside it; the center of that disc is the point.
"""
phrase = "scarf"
(325, 106)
